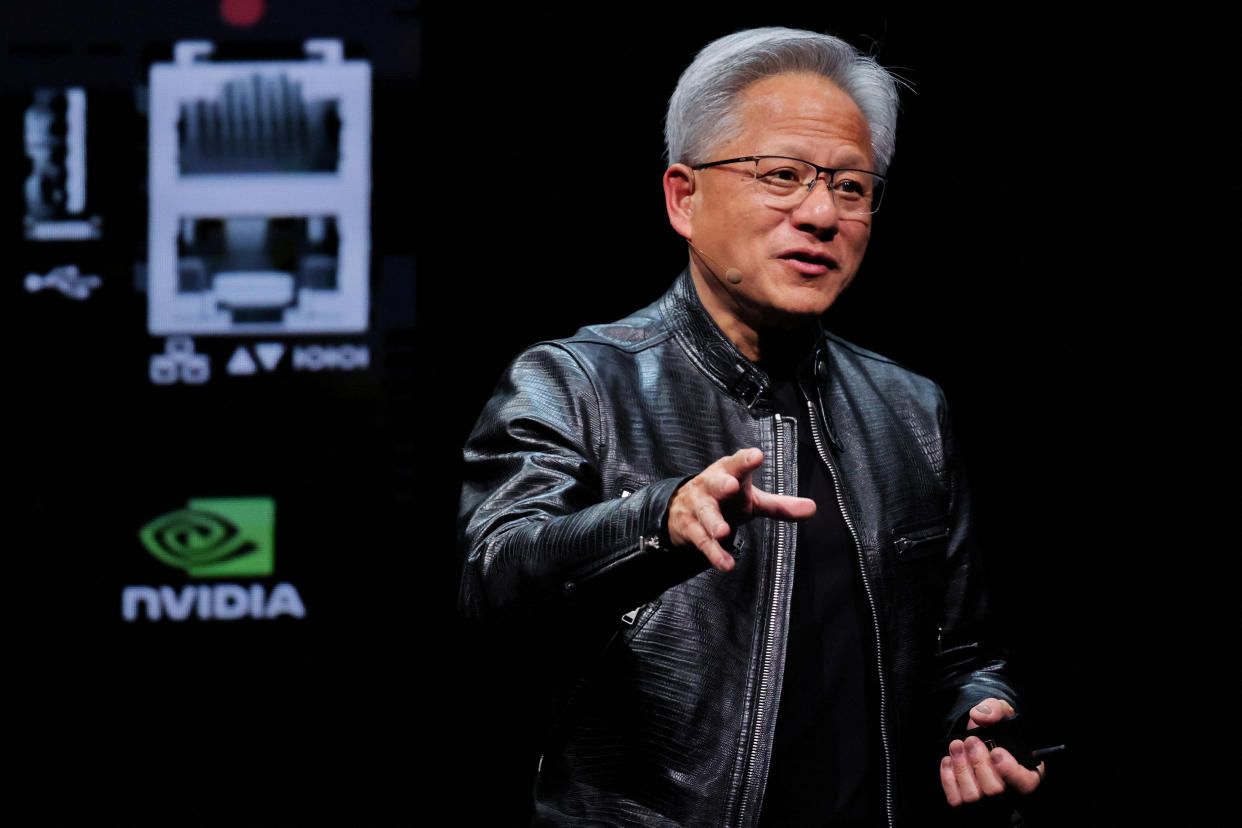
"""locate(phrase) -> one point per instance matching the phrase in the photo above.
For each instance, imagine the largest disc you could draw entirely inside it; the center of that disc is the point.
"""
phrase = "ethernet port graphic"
(260, 180)
(259, 124)
(256, 269)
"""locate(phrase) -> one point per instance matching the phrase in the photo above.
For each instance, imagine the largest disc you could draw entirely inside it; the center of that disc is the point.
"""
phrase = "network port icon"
(260, 191)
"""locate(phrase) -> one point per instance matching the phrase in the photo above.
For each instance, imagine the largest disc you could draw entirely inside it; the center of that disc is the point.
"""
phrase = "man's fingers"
(986, 774)
(722, 485)
(701, 526)
(711, 550)
(761, 503)
(989, 711)
(709, 517)
(784, 507)
(963, 774)
(970, 772)
(696, 513)
(1015, 776)
(948, 782)
(741, 463)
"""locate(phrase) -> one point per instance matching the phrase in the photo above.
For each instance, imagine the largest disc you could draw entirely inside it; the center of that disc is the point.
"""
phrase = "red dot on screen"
(242, 12)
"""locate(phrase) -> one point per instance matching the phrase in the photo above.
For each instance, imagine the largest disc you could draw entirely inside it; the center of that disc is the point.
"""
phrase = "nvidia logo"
(216, 537)
(221, 537)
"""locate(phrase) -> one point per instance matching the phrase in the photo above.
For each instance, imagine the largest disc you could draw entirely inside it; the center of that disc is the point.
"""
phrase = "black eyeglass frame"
(831, 171)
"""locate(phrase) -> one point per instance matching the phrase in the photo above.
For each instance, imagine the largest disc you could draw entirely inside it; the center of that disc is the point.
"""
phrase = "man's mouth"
(808, 262)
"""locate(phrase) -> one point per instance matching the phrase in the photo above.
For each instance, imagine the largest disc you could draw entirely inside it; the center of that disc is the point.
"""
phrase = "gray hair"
(702, 111)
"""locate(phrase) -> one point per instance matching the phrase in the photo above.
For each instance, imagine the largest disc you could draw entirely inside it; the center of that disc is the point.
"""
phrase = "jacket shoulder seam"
(592, 337)
(864, 353)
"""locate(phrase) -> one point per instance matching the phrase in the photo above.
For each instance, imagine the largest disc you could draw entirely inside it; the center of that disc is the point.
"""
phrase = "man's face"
(793, 263)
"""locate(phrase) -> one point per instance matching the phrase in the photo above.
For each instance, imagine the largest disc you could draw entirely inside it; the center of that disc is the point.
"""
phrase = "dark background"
(1079, 310)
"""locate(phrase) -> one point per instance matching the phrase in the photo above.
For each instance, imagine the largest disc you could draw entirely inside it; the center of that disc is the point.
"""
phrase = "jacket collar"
(707, 345)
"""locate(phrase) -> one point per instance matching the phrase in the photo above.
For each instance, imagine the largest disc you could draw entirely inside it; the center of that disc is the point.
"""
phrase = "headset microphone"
(732, 275)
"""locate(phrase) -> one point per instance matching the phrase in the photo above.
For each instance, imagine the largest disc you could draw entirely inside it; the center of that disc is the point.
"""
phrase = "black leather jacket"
(674, 669)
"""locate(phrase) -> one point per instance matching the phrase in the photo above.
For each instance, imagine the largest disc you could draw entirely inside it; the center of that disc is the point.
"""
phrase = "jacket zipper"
(762, 696)
(875, 616)
(645, 544)
(907, 545)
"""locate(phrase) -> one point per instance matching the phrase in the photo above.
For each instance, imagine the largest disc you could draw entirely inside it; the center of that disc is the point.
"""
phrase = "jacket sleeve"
(535, 532)
(973, 663)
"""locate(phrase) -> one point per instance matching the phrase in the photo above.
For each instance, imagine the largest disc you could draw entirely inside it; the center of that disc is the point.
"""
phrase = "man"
(734, 653)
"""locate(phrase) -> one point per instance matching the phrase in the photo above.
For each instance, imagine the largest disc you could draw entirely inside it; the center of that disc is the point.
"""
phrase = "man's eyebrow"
(851, 160)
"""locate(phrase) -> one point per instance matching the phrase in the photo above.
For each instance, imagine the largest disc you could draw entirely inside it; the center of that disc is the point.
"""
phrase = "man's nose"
(818, 213)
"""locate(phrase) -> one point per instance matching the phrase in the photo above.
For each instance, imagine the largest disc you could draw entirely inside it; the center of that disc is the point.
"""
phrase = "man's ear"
(679, 199)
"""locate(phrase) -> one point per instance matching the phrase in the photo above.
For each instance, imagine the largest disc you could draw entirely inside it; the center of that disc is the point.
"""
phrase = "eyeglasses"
(787, 182)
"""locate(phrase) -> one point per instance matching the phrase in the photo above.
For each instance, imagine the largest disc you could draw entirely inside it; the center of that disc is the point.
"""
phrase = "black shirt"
(826, 765)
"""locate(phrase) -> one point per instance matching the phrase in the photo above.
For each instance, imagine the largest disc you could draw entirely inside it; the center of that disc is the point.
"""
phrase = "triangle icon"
(241, 362)
(269, 353)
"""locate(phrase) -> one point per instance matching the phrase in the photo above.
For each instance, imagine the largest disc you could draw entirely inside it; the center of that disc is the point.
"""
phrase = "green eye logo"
(216, 537)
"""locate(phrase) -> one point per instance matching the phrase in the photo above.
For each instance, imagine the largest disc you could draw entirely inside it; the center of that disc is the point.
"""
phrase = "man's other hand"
(971, 772)
(696, 515)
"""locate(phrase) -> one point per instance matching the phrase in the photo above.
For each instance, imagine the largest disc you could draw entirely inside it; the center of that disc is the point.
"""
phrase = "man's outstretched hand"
(697, 513)
(971, 772)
